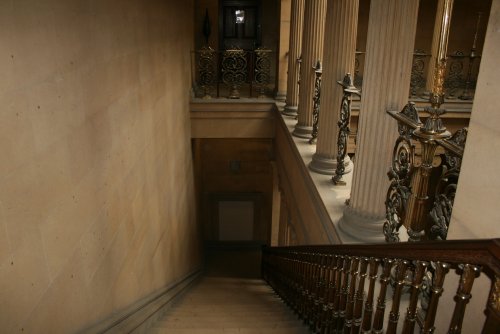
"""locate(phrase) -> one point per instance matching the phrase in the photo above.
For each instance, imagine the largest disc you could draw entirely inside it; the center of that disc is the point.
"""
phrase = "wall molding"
(140, 315)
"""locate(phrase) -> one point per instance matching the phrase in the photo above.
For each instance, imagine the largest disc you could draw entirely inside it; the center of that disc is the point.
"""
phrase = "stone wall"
(96, 179)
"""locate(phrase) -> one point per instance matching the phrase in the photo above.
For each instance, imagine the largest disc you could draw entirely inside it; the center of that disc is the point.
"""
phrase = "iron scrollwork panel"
(234, 70)
(207, 69)
(417, 81)
(262, 69)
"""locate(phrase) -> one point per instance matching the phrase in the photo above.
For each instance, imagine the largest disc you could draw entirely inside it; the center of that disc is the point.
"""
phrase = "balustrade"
(327, 285)
(233, 73)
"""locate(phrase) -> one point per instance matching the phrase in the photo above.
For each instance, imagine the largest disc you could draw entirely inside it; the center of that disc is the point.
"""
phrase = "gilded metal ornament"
(316, 101)
(234, 70)
(358, 70)
(343, 123)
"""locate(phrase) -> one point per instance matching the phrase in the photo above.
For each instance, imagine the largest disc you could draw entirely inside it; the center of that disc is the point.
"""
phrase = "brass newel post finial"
(434, 126)
(414, 199)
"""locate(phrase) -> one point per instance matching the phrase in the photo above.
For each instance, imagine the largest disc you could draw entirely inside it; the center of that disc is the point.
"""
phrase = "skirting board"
(137, 318)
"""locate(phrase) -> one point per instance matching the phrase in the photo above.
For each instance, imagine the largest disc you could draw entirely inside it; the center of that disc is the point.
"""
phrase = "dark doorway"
(239, 24)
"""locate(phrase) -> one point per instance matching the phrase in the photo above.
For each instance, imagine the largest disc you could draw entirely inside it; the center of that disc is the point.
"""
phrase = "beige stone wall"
(96, 184)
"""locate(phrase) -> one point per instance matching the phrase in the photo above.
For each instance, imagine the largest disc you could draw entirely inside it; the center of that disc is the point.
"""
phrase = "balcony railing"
(233, 73)
(333, 288)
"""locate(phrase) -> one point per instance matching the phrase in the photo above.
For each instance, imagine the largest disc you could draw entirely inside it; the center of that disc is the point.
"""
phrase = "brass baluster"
(338, 284)
(336, 265)
(436, 292)
(411, 313)
(402, 265)
(358, 296)
(368, 311)
(470, 272)
(493, 309)
(346, 270)
(378, 321)
(349, 309)
(262, 69)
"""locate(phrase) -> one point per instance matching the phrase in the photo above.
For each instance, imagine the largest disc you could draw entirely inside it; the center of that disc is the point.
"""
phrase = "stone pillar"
(312, 51)
(435, 45)
(338, 59)
(296, 27)
(389, 53)
(283, 50)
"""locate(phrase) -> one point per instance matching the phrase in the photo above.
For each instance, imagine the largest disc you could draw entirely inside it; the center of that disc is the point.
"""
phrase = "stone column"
(338, 59)
(389, 53)
(296, 27)
(312, 51)
(283, 50)
(434, 47)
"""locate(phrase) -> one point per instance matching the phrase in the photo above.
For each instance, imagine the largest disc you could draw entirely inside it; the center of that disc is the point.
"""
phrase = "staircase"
(229, 305)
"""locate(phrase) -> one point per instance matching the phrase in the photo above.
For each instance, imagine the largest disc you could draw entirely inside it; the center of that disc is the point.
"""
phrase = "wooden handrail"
(326, 284)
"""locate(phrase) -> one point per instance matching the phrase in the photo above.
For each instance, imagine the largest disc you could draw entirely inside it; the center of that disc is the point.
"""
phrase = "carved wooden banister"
(333, 287)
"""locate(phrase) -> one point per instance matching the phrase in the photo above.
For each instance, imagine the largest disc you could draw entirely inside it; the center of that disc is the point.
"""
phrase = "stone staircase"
(229, 305)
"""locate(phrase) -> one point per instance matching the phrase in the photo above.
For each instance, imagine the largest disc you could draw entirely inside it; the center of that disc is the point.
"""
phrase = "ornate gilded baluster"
(262, 69)
(343, 123)
(378, 321)
(234, 70)
(402, 265)
(358, 296)
(368, 311)
(207, 71)
(436, 292)
(470, 272)
(455, 78)
(316, 101)
(493, 309)
(349, 309)
(411, 313)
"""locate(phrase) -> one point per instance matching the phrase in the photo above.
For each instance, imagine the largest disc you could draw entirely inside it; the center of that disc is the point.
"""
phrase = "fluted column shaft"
(296, 29)
(435, 45)
(338, 59)
(312, 50)
(389, 51)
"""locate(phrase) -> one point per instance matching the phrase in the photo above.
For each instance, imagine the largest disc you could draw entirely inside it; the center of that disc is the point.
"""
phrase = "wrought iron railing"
(233, 73)
(332, 288)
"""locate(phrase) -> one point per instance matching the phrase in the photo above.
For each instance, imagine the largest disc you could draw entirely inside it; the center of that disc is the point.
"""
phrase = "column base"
(302, 131)
(326, 166)
(361, 229)
(280, 96)
(290, 110)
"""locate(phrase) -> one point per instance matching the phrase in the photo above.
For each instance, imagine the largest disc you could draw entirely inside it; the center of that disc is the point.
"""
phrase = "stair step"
(228, 305)
(296, 330)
